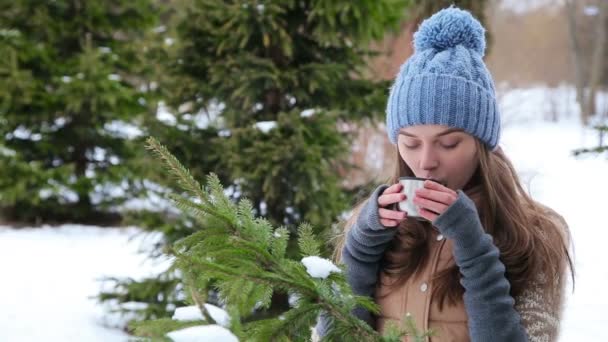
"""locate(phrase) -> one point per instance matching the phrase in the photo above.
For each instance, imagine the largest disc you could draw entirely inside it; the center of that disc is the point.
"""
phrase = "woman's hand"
(390, 196)
(434, 199)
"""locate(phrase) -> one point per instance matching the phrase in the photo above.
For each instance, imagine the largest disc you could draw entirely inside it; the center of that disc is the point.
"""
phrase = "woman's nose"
(428, 159)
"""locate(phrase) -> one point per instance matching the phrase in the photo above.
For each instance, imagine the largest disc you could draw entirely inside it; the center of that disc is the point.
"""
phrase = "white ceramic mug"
(410, 185)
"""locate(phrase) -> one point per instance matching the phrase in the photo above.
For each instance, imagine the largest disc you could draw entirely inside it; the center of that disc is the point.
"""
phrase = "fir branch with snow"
(244, 258)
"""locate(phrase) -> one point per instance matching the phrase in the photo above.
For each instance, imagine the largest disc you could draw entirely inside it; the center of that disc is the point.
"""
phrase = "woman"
(488, 263)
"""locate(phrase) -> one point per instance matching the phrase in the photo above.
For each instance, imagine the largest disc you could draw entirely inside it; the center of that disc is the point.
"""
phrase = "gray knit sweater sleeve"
(490, 307)
(366, 242)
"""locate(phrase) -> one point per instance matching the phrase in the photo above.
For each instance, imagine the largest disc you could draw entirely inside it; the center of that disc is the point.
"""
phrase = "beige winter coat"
(540, 315)
(414, 298)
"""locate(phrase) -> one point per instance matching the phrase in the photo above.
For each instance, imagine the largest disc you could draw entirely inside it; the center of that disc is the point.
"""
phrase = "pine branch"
(602, 130)
(595, 150)
(198, 298)
(395, 333)
(176, 169)
(185, 179)
(307, 242)
(246, 258)
(159, 327)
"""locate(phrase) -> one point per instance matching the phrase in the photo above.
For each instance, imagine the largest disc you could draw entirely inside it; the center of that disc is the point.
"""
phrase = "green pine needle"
(307, 241)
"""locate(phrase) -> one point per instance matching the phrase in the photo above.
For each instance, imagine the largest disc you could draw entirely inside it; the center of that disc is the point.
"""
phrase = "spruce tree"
(276, 81)
(71, 75)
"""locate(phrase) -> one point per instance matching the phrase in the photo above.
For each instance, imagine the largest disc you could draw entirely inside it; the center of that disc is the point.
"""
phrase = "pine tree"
(276, 80)
(245, 258)
(71, 74)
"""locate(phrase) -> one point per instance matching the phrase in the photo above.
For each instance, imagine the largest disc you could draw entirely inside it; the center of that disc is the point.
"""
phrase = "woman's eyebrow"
(447, 131)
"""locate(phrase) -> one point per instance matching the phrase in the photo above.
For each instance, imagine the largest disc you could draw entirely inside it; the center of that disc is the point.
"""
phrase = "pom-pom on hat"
(445, 81)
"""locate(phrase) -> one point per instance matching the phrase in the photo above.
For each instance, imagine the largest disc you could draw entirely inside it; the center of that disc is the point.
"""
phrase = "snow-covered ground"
(49, 274)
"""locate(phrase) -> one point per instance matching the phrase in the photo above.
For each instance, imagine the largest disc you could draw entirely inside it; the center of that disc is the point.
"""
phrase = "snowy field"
(49, 274)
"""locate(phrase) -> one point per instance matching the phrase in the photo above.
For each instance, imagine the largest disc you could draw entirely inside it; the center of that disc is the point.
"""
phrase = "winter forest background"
(105, 237)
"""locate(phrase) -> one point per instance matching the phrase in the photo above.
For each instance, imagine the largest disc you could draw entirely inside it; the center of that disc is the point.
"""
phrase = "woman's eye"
(449, 147)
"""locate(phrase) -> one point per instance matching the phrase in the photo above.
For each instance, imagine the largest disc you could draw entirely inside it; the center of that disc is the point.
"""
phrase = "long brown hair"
(532, 238)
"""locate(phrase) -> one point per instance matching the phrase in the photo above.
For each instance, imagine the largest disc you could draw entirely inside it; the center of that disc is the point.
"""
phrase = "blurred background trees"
(72, 74)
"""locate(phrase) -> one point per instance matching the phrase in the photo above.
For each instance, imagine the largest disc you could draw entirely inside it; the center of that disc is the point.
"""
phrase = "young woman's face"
(440, 152)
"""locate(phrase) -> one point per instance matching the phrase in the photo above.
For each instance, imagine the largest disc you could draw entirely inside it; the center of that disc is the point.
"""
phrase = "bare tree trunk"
(576, 56)
(597, 62)
(587, 87)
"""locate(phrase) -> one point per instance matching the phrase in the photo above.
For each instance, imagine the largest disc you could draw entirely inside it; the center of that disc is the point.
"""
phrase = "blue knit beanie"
(445, 81)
